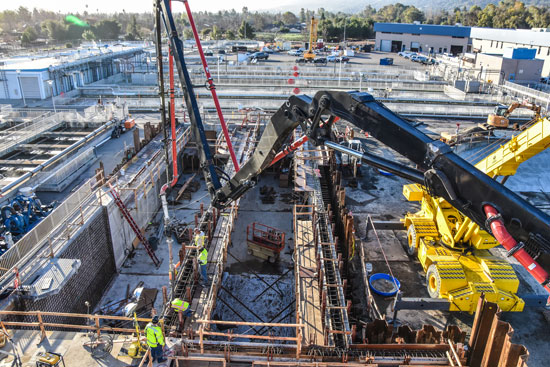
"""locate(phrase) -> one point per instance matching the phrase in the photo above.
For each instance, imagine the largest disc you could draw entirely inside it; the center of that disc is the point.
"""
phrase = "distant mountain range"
(354, 6)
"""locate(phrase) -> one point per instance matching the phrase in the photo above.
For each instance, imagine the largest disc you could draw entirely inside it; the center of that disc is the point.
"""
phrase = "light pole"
(50, 83)
(21, 87)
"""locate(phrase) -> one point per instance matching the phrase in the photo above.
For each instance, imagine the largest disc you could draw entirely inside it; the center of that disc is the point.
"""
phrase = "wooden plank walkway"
(307, 284)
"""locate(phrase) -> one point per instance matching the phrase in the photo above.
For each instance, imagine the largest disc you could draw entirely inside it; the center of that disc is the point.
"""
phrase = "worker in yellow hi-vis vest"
(202, 256)
(181, 307)
(155, 339)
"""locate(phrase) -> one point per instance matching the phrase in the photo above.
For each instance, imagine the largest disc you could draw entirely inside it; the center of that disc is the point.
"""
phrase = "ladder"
(126, 214)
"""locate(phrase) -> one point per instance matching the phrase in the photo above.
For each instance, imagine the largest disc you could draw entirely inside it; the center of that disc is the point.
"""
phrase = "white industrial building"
(38, 76)
(496, 41)
(426, 38)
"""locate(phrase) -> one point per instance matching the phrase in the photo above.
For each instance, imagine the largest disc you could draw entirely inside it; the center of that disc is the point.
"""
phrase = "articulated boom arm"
(444, 173)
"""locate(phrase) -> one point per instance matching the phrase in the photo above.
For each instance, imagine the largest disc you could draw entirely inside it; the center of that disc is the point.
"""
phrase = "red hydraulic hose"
(292, 147)
(173, 117)
(211, 86)
(501, 234)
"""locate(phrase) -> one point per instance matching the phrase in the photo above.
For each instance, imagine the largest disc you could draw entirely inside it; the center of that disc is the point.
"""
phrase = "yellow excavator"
(309, 55)
(453, 250)
(499, 118)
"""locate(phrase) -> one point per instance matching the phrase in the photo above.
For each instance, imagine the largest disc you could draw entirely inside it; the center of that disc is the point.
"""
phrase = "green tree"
(55, 30)
(88, 35)
(216, 33)
(107, 30)
(246, 31)
(29, 35)
(205, 32)
(412, 14)
(230, 35)
(132, 31)
(187, 34)
(289, 18)
(302, 15)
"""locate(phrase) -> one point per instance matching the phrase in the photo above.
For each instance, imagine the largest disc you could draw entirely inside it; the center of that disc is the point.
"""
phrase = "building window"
(501, 43)
(445, 50)
(538, 52)
(440, 49)
(548, 52)
(492, 43)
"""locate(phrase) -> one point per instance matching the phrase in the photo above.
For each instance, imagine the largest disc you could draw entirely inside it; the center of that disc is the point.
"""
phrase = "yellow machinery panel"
(462, 278)
(413, 192)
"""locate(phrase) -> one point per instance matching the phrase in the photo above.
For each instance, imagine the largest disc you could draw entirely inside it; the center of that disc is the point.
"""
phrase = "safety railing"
(98, 321)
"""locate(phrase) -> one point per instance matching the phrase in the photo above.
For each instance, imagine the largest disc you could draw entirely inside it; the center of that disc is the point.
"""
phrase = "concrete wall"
(519, 70)
(92, 244)
(426, 41)
(120, 231)
(498, 47)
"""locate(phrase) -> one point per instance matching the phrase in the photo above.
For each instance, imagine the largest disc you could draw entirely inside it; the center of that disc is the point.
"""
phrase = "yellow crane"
(453, 250)
(309, 55)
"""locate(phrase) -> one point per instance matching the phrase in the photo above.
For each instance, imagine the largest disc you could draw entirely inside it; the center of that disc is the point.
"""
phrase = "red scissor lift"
(264, 241)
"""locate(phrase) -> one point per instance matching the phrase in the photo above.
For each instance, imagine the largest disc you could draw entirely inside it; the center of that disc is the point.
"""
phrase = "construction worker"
(155, 339)
(181, 306)
(203, 255)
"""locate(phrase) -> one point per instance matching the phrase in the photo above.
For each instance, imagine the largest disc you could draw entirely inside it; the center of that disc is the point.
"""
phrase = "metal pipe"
(172, 117)
(4, 190)
(160, 70)
(211, 86)
(381, 163)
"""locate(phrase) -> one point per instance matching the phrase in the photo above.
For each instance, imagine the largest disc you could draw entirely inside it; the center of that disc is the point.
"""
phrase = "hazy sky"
(135, 5)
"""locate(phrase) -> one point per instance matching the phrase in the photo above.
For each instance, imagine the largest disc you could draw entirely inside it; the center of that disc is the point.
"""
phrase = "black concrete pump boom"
(442, 172)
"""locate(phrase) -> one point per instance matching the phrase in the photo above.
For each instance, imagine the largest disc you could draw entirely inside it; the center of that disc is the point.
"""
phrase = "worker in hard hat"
(203, 255)
(155, 339)
(181, 307)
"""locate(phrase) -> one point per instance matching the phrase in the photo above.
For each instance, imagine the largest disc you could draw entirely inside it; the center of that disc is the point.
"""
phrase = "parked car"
(422, 59)
(414, 58)
(208, 53)
(267, 50)
(404, 53)
(430, 61)
(259, 56)
(320, 60)
(221, 52)
(295, 53)
(333, 58)
(409, 55)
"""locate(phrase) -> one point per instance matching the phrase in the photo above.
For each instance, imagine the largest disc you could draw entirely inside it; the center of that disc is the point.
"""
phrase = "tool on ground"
(49, 359)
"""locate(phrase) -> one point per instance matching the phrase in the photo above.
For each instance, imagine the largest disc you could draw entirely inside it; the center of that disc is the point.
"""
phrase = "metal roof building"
(428, 29)
(430, 38)
(40, 76)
